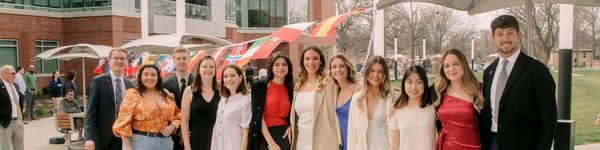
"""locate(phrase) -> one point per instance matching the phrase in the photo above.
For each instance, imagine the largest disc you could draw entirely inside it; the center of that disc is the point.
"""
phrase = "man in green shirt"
(31, 92)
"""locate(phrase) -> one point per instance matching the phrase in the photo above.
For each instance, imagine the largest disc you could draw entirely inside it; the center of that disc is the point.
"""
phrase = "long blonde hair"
(470, 83)
(384, 87)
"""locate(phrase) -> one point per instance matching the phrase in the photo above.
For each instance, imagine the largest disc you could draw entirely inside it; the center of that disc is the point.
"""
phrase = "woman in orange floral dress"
(148, 115)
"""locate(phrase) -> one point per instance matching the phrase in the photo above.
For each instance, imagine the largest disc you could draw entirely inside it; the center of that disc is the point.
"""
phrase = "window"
(8, 52)
(45, 66)
(266, 13)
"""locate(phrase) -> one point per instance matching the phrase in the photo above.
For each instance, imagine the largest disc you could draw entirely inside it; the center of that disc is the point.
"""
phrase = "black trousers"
(277, 133)
(494, 141)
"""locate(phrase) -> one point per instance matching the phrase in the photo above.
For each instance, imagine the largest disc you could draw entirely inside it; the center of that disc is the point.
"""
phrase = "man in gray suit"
(104, 99)
(11, 118)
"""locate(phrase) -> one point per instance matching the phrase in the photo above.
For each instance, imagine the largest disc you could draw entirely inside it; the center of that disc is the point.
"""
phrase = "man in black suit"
(520, 108)
(11, 118)
(177, 84)
(105, 96)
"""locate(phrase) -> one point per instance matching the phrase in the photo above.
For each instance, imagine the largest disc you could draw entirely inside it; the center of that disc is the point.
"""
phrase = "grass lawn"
(585, 103)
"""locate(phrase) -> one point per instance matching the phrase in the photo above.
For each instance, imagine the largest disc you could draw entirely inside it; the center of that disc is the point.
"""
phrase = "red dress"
(459, 125)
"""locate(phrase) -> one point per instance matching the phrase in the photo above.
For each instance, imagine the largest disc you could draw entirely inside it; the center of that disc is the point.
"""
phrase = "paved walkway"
(37, 134)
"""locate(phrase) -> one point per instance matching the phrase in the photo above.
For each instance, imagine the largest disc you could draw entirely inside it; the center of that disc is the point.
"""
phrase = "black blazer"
(172, 85)
(259, 92)
(101, 115)
(5, 104)
(527, 117)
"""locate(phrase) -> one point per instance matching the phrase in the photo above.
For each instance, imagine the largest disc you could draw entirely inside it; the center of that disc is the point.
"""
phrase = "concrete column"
(379, 38)
(144, 18)
(180, 16)
(565, 135)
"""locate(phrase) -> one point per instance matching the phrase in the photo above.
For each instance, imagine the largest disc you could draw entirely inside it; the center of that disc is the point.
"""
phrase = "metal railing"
(67, 10)
(192, 11)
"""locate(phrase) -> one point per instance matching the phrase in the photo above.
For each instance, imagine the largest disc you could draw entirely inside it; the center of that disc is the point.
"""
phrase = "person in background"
(249, 73)
(70, 84)
(56, 89)
(31, 93)
(11, 120)
(177, 83)
(344, 77)
(271, 103)
(313, 120)
(367, 120)
(235, 111)
(69, 105)
(199, 106)
(22, 86)
(148, 115)
(412, 125)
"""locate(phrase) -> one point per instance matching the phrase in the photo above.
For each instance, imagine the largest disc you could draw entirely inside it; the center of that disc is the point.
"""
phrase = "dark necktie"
(118, 95)
(182, 88)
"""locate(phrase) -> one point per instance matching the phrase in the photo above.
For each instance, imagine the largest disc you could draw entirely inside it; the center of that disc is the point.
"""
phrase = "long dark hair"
(197, 84)
(159, 84)
(288, 81)
(425, 98)
(304, 74)
(54, 74)
(243, 87)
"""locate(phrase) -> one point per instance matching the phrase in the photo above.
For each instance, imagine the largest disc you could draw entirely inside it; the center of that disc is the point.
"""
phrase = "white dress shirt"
(113, 77)
(21, 83)
(511, 63)
(11, 92)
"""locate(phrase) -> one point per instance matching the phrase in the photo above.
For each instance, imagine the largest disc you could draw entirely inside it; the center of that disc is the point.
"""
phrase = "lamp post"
(396, 57)
(472, 53)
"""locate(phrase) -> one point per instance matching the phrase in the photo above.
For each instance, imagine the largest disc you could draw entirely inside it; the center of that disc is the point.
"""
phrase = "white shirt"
(11, 92)
(511, 63)
(114, 84)
(179, 81)
(21, 83)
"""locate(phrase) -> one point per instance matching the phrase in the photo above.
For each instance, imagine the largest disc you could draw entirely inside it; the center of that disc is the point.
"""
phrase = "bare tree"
(545, 29)
(588, 21)
(442, 20)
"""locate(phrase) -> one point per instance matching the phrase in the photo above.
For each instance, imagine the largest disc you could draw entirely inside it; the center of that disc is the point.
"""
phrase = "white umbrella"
(481, 6)
(166, 43)
(77, 51)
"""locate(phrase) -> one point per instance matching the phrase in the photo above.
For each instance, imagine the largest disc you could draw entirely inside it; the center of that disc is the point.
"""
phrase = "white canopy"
(77, 51)
(166, 43)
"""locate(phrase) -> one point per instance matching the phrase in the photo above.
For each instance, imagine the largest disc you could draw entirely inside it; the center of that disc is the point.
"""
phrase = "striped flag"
(235, 53)
(195, 58)
(326, 28)
(255, 46)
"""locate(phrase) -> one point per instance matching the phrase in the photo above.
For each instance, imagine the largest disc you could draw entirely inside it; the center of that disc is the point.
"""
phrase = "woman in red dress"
(459, 102)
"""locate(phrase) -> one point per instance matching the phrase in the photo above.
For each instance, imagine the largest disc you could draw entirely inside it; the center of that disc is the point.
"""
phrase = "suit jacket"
(5, 104)
(326, 128)
(172, 85)
(527, 112)
(259, 93)
(101, 114)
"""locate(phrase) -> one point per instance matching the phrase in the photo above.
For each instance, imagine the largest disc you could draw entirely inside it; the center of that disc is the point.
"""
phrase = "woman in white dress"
(367, 124)
(313, 119)
(234, 113)
(412, 123)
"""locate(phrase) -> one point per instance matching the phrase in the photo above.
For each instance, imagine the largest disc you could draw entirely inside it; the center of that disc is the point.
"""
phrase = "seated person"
(69, 105)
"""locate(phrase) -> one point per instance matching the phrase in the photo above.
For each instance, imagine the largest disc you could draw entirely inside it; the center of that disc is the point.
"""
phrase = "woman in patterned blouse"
(148, 115)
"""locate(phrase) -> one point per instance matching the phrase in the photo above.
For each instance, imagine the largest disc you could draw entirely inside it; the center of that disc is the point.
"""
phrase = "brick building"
(29, 27)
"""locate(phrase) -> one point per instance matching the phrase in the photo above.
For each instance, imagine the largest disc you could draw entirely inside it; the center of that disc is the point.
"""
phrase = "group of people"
(326, 107)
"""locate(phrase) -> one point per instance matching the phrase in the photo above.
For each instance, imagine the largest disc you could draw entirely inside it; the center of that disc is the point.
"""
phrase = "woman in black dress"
(199, 106)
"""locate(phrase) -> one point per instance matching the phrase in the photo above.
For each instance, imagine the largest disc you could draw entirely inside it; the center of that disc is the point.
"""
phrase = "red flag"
(267, 48)
(292, 31)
